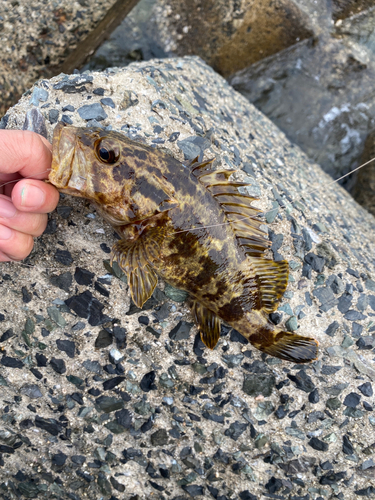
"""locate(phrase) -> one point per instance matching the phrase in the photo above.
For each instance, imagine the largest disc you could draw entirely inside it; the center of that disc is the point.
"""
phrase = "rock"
(59, 459)
(181, 331)
(83, 276)
(64, 257)
(88, 307)
(347, 446)
(256, 384)
(318, 445)
(92, 112)
(67, 346)
(159, 438)
(352, 400)
(147, 382)
(302, 381)
(63, 281)
(87, 396)
(108, 404)
(366, 389)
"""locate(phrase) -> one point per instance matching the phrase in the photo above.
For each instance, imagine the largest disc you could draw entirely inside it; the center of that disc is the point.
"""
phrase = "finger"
(4, 258)
(7, 182)
(30, 195)
(28, 223)
(25, 152)
(14, 244)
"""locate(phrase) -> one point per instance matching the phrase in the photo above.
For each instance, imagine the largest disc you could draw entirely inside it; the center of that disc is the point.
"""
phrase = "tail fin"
(291, 347)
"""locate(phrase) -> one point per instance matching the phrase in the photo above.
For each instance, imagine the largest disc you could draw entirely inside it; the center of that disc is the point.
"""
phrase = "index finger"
(24, 152)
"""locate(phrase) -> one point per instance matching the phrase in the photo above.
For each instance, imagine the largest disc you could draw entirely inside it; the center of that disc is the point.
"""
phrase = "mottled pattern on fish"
(186, 223)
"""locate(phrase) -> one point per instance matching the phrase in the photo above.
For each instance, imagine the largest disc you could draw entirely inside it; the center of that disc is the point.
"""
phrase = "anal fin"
(273, 280)
(209, 324)
(132, 258)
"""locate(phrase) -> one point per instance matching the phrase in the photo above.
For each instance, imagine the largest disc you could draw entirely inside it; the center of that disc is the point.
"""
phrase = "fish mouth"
(68, 163)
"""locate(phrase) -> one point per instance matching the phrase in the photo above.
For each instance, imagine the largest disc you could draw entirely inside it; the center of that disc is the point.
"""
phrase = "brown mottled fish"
(188, 224)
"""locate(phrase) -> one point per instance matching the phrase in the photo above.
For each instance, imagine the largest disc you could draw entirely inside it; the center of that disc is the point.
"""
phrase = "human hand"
(23, 204)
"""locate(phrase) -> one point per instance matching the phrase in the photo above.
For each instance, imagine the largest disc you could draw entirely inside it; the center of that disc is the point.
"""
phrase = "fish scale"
(188, 224)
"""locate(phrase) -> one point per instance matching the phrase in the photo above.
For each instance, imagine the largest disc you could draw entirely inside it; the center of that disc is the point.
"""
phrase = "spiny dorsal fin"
(273, 280)
(133, 258)
(236, 206)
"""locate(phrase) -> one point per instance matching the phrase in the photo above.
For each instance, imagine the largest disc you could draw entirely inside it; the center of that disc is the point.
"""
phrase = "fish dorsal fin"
(133, 258)
(273, 279)
(236, 206)
(208, 323)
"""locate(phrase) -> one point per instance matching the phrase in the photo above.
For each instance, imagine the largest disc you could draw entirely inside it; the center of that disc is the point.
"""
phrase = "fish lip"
(65, 168)
(61, 167)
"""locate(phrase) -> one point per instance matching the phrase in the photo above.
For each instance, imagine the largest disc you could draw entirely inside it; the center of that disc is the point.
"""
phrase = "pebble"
(159, 438)
(147, 382)
(107, 101)
(108, 404)
(317, 263)
(181, 331)
(175, 294)
(256, 384)
(88, 307)
(115, 356)
(67, 346)
(302, 381)
(318, 445)
(32, 391)
(366, 389)
(92, 112)
(291, 324)
(35, 122)
(38, 95)
(352, 400)
(58, 365)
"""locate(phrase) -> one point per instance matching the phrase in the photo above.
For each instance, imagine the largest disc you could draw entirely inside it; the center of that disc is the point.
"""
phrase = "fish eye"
(106, 152)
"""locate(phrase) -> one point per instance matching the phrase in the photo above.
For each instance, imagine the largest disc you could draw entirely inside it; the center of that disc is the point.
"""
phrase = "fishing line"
(212, 225)
(304, 193)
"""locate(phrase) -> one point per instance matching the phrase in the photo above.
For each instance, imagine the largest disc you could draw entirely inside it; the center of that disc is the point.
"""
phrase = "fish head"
(123, 178)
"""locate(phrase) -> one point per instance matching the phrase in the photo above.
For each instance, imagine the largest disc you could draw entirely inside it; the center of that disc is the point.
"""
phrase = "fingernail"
(5, 233)
(7, 209)
(32, 196)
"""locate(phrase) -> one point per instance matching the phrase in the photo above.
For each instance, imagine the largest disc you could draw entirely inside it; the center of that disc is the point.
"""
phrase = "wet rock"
(104, 339)
(59, 459)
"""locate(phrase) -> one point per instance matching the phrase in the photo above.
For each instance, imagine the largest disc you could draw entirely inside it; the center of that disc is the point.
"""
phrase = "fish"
(186, 223)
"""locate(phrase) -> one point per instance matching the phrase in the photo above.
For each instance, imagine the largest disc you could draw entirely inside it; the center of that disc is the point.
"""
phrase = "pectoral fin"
(209, 324)
(132, 257)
